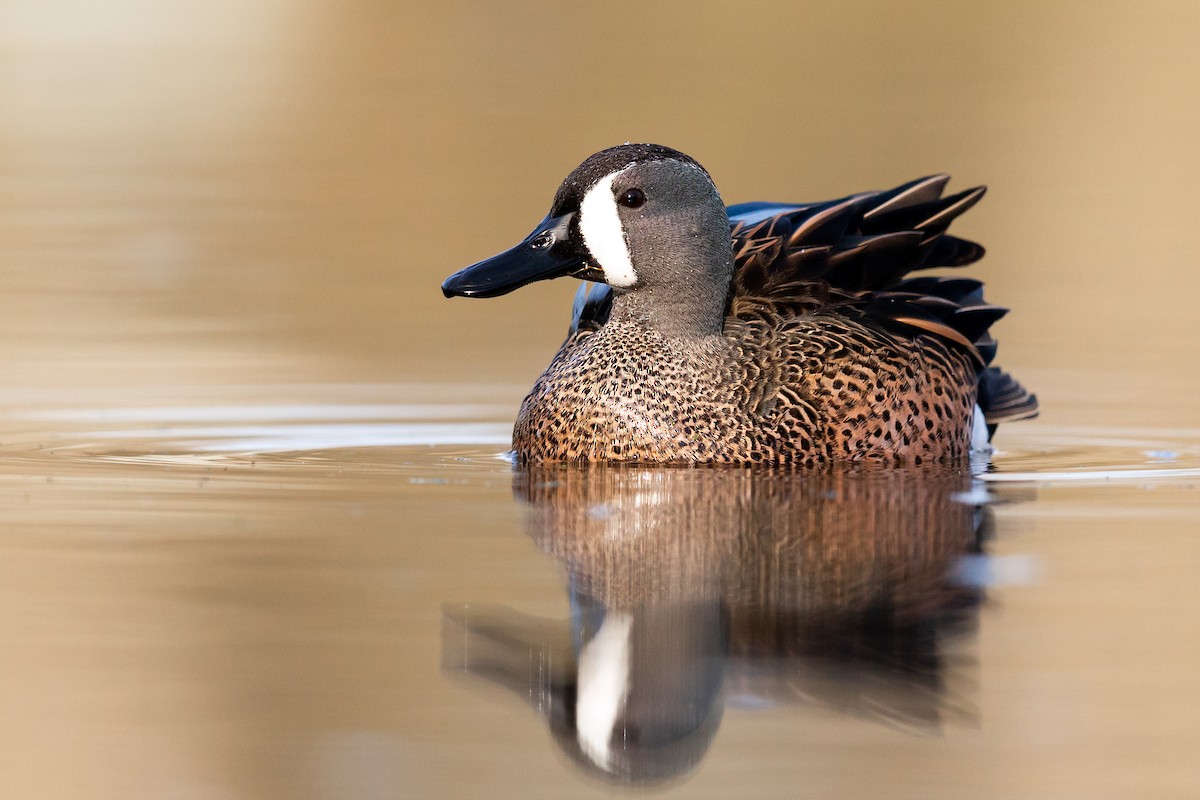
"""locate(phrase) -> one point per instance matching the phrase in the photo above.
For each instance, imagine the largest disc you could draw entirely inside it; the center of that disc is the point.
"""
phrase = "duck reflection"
(691, 589)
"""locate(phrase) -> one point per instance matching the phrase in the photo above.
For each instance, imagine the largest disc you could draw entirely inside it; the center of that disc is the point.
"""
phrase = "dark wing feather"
(593, 302)
(918, 192)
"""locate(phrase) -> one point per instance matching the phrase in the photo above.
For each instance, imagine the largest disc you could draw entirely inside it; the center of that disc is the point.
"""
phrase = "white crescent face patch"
(603, 233)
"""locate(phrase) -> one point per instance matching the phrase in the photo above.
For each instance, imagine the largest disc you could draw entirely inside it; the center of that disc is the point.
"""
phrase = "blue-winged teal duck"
(762, 332)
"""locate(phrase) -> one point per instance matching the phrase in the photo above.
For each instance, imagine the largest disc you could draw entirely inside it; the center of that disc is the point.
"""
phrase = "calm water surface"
(257, 536)
(326, 599)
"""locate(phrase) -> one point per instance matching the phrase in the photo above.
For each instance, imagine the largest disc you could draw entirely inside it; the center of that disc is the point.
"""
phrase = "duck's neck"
(675, 313)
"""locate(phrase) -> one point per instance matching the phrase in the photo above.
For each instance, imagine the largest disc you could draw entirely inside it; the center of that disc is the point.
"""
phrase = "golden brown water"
(257, 542)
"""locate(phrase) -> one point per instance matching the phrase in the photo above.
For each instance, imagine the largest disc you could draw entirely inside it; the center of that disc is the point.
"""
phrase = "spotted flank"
(758, 333)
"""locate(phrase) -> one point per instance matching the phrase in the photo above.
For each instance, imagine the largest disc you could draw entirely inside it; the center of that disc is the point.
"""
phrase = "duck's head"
(636, 216)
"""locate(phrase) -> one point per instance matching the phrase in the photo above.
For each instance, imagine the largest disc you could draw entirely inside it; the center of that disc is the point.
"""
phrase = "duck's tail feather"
(1003, 399)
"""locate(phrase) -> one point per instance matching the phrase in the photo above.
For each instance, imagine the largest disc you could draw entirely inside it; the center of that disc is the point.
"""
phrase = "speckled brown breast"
(798, 390)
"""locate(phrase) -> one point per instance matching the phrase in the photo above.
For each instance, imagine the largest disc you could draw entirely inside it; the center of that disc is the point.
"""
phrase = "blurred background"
(200, 192)
(207, 208)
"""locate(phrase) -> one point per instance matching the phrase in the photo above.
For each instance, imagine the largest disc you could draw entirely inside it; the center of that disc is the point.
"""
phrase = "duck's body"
(793, 337)
(800, 390)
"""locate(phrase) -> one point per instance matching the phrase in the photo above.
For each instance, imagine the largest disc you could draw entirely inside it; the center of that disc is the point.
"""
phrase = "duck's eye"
(632, 198)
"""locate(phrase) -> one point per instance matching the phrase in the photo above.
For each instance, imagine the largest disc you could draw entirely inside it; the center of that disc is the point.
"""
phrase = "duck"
(758, 333)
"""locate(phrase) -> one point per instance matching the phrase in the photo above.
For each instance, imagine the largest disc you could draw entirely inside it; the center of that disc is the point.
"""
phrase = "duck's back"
(829, 350)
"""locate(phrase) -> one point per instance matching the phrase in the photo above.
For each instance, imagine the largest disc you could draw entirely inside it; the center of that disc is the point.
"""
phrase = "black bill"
(545, 253)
